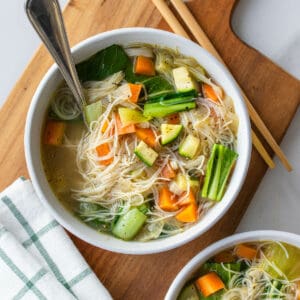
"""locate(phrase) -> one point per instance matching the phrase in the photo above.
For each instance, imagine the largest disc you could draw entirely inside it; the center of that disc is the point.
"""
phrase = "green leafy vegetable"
(103, 64)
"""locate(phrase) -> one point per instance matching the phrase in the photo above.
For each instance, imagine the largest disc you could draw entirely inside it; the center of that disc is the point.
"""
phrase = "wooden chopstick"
(178, 28)
(204, 41)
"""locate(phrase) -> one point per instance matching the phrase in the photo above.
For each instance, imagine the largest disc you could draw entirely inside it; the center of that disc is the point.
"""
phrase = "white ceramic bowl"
(252, 236)
(40, 104)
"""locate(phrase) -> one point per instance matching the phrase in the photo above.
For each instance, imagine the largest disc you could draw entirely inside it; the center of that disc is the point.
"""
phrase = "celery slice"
(209, 171)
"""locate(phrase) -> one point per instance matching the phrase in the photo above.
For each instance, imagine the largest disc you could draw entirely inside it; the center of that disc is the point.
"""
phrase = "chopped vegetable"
(173, 119)
(169, 133)
(136, 51)
(224, 270)
(183, 80)
(54, 133)
(103, 64)
(135, 92)
(187, 199)
(288, 262)
(92, 112)
(189, 147)
(131, 116)
(166, 200)
(209, 92)
(168, 172)
(146, 154)
(160, 110)
(188, 214)
(157, 86)
(144, 66)
(182, 183)
(128, 225)
(244, 251)
(103, 150)
(147, 135)
(210, 284)
(218, 170)
(121, 129)
(189, 293)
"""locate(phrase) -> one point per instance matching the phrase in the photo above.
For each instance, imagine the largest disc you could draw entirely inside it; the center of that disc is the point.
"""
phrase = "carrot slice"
(188, 214)
(209, 284)
(298, 290)
(54, 133)
(135, 92)
(167, 200)
(187, 199)
(123, 129)
(173, 119)
(146, 135)
(209, 92)
(244, 251)
(103, 150)
(144, 66)
(168, 172)
(224, 257)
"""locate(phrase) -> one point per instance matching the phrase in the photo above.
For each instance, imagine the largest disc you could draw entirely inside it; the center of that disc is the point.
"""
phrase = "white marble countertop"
(273, 27)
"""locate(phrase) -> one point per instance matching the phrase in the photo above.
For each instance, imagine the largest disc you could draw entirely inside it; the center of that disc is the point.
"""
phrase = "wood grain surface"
(274, 93)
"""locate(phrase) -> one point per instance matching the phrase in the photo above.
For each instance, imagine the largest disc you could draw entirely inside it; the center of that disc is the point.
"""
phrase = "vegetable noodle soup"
(262, 270)
(159, 148)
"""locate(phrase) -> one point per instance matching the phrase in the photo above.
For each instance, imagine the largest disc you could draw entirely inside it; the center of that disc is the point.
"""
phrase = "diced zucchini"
(92, 111)
(131, 116)
(162, 109)
(169, 132)
(189, 146)
(128, 225)
(182, 183)
(189, 292)
(183, 80)
(146, 154)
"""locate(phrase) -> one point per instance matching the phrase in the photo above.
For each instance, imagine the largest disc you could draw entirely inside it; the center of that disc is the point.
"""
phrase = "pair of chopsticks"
(203, 40)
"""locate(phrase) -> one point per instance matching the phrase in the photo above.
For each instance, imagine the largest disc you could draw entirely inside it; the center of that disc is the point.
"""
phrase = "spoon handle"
(46, 18)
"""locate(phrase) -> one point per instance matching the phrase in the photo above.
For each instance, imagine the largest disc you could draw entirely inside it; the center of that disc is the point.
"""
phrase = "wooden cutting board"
(274, 93)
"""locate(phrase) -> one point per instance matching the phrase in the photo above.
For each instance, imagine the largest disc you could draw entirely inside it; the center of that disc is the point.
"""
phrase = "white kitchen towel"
(37, 258)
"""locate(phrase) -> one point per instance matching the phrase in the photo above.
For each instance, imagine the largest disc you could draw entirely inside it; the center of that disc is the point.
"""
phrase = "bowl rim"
(249, 236)
(152, 247)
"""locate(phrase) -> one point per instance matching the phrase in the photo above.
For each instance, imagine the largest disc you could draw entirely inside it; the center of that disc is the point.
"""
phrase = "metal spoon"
(46, 18)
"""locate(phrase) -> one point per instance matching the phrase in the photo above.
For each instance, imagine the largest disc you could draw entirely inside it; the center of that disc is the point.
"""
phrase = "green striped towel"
(37, 258)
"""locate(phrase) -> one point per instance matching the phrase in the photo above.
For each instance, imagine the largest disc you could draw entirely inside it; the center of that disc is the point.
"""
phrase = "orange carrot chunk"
(123, 129)
(168, 172)
(103, 150)
(144, 66)
(244, 251)
(54, 133)
(167, 200)
(209, 92)
(135, 92)
(187, 199)
(173, 119)
(146, 135)
(209, 284)
(188, 214)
